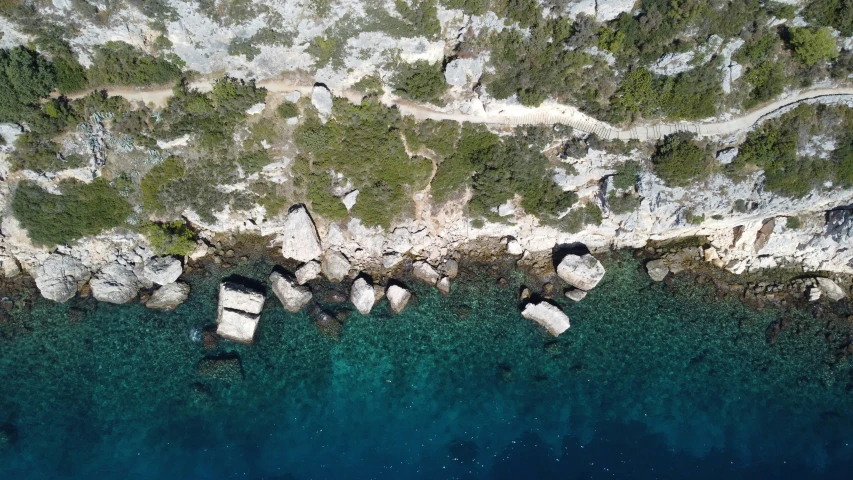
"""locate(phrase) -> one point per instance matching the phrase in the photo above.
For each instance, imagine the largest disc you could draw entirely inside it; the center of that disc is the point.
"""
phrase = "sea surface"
(652, 381)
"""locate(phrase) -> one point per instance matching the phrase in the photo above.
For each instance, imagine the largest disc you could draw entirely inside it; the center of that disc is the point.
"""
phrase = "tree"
(25, 78)
(813, 45)
(678, 161)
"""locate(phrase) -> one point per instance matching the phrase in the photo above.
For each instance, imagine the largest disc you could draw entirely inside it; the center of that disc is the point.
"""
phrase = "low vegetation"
(118, 63)
(170, 238)
(679, 161)
(421, 81)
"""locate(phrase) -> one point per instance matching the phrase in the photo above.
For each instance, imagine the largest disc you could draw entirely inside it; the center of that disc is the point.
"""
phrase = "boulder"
(830, 289)
(162, 270)
(575, 294)
(239, 312)
(398, 297)
(513, 247)
(59, 277)
(425, 273)
(657, 269)
(814, 294)
(301, 242)
(581, 271)
(450, 268)
(309, 271)
(169, 296)
(9, 267)
(350, 199)
(727, 156)
(225, 368)
(335, 266)
(115, 284)
(321, 98)
(391, 260)
(292, 296)
(443, 285)
(362, 296)
(547, 315)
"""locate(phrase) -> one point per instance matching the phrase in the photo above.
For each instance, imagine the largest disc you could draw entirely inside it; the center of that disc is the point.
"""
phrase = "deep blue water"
(651, 381)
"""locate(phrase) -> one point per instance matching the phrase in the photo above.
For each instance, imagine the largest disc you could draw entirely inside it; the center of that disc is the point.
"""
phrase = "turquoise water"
(651, 381)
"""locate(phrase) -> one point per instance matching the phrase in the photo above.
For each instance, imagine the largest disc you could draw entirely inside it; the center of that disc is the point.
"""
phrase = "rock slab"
(292, 296)
(362, 296)
(398, 297)
(547, 315)
(830, 289)
(301, 241)
(239, 312)
(657, 270)
(335, 266)
(115, 284)
(169, 296)
(162, 270)
(308, 272)
(59, 277)
(581, 271)
(425, 273)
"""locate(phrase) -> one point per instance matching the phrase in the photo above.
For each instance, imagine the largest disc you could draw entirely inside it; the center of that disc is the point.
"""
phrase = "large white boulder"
(581, 271)
(547, 315)
(321, 98)
(169, 296)
(425, 272)
(657, 269)
(59, 277)
(443, 285)
(162, 270)
(115, 283)
(830, 289)
(308, 272)
(398, 297)
(292, 296)
(362, 296)
(301, 241)
(335, 265)
(239, 312)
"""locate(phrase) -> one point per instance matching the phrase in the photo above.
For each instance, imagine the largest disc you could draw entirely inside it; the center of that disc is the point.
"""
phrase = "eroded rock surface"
(162, 270)
(362, 296)
(398, 297)
(239, 312)
(115, 283)
(335, 265)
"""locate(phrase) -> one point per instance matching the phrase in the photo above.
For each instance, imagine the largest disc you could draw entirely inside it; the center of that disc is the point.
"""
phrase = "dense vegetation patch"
(837, 14)
(25, 78)
(679, 161)
(421, 81)
(170, 238)
(118, 63)
(82, 209)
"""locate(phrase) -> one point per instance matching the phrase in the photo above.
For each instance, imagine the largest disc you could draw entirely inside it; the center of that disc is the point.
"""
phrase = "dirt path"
(549, 113)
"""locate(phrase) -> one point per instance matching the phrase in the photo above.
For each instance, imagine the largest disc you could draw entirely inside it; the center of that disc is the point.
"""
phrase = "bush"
(626, 176)
(421, 81)
(438, 136)
(369, 85)
(678, 161)
(793, 223)
(578, 218)
(813, 45)
(422, 16)
(25, 78)
(834, 13)
(621, 203)
(82, 209)
(118, 63)
(254, 162)
(243, 46)
(287, 110)
(171, 238)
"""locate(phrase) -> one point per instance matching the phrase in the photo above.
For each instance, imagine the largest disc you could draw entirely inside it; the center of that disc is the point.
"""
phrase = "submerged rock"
(547, 315)
(575, 294)
(362, 296)
(292, 296)
(169, 296)
(581, 271)
(301, 241)
(335, 266)
(309, 271)
(162, 270)
(224, 368)
(425, 272)
(59, 277)
(398, 297)
(115, 284)
(238, 313)
(657, 270)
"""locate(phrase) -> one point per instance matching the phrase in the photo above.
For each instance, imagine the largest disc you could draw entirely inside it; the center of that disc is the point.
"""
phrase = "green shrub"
(793, 223)
(25, 78)
(621, 203)
(369, 85)
(157, 181)
(578, 218)
(40, 154)
(626, 176)
(422, 17)
(471, 7)
(70, 75)
(170, 238)
(421, 81)
(438, 136)
(82, 209)
(287, 110)
(118, 63)
(254, 162)
(813, 45)
(834, 13)
(243, 46)
(740, 205)
(678, 161)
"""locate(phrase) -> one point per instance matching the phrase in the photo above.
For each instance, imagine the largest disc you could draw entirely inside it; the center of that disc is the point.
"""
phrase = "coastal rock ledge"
(239, 312)
(547, 315)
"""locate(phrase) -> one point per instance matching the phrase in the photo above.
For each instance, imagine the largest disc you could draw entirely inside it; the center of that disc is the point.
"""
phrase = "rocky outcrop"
(162, 270)
(606, 10)
(830, 289)
(60, 276)
(300, 240)
(239, 312)
(335, 266)
(292, 296)
(115, 283)
(309, 271)
(425, 273)
(169, 296)
(581, 271)
(362, 296)
(398, 297)
(658, 270)
(547, 315)
(321, 98)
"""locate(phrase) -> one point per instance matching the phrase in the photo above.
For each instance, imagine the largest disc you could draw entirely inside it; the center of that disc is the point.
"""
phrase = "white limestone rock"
(391, 260)
(115, 283)
(581, 271)
(321, 98)
(301, 241)
(443, 285)
(9, 266)
(60, 276)
(547, 315)
(335, 265)
(362, 296)
(234, 296)
(425, 272)
(292, 296)
(239, 312)
(576, 294)
(350, 199)
(513, 247)
(727, 156)
(450, 268)
(463, 71)
(169, 296)
(814, 294)
(162, 270)
(398, 297)
(309, 271)
(607, 10)
(830, 289)
(657, 269)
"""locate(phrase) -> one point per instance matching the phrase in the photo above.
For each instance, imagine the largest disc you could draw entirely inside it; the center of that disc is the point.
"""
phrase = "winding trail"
(549, 113)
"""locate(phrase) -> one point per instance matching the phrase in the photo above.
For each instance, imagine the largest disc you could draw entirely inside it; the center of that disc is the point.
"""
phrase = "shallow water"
(651, 381)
